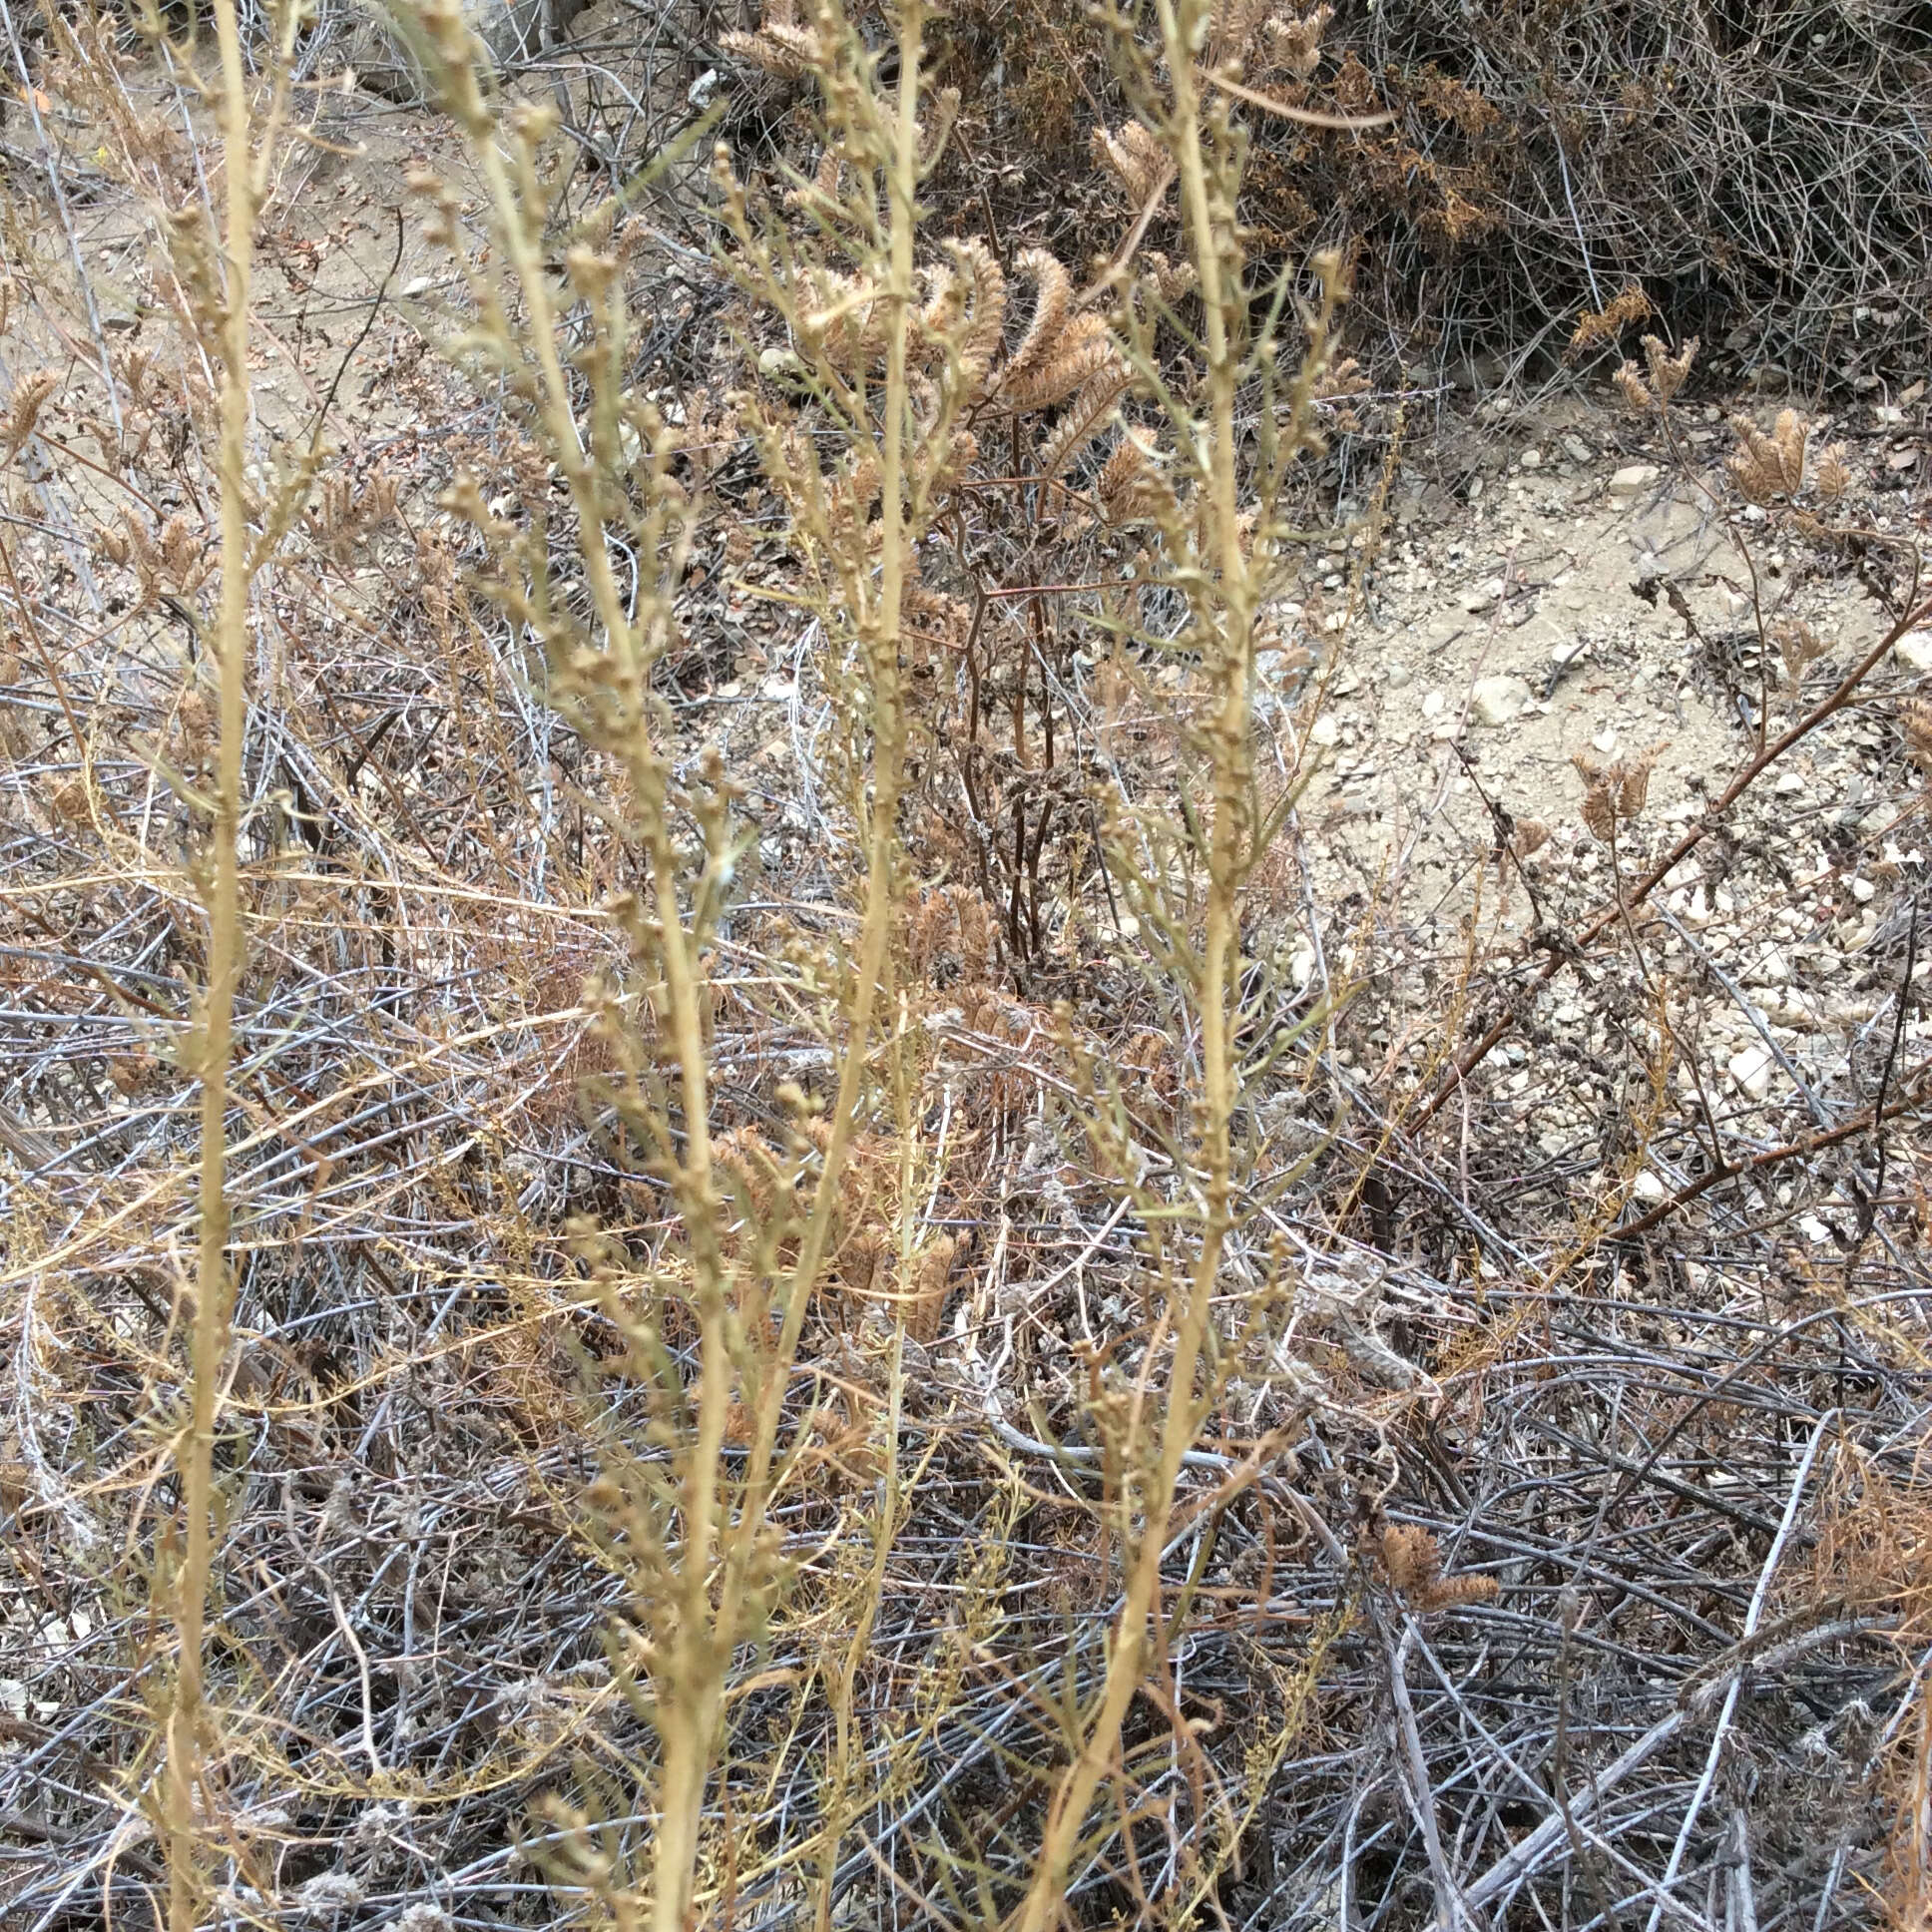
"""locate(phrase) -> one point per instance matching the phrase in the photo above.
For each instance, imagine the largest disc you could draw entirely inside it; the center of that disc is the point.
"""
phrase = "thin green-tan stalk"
(889, 724)
(690, 1679)
(221, 890)
(687, 1750)
(881, 641)
(1228, 734)
(718, 1562)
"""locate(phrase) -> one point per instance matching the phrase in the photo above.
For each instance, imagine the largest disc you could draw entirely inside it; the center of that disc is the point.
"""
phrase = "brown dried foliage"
(1597, 326)
(1764, 467)
(1413, 1560)
(1615, 791)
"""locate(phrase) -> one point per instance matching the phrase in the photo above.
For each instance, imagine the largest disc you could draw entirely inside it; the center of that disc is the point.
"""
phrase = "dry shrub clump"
(1552, 174)
(1662, 146)
(701, 1228)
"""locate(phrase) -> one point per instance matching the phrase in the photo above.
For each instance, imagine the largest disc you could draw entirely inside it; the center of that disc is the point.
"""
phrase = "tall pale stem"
(185, 1771)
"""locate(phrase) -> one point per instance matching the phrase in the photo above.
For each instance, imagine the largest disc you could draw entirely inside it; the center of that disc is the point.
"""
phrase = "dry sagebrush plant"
(898, 362)
(813, 1307)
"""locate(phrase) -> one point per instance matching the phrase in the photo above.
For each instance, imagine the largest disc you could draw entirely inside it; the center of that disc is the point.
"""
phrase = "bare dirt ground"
(1569, 594)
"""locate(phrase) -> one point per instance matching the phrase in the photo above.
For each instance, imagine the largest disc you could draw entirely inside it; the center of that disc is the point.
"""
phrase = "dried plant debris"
(1573, 1177)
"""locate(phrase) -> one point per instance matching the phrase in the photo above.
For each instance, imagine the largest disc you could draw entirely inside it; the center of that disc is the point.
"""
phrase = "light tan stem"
(209, 1338)
(1231, 664)
(888, 757)
(690, 1683)
(707, 1636)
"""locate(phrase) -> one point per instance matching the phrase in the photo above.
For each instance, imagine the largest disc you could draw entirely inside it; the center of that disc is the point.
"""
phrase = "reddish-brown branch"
(1871, 1118)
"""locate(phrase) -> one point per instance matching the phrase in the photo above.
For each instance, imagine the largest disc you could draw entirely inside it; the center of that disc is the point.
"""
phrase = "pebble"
(1633, 477)
(1751, 1068)
(1648, 1187)
(783, 366)
(1914, 651)
(1400, 677)
(1577, 450)
(1495, 700)
(1483, 596)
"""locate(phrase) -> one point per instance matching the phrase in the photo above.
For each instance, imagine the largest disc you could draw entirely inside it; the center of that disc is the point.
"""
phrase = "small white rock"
(1432, 705)
(1398, 677)
(778, 361)
(1914, 651)
(1751, 1068)
(1495, 700)
(1325, 730)
(1633, 477)
(1863, 891)
(1648, 1187)
(1483, 596)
